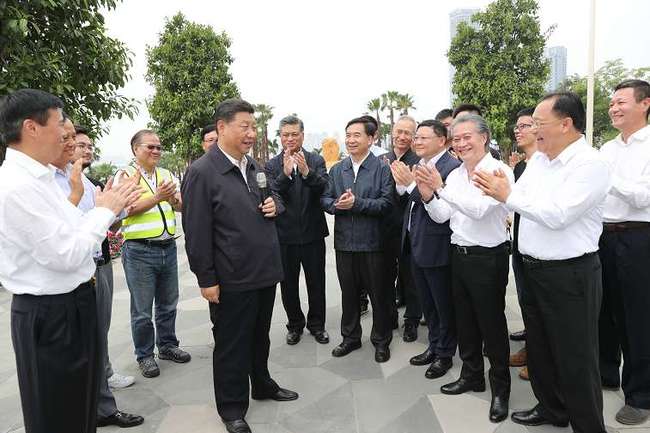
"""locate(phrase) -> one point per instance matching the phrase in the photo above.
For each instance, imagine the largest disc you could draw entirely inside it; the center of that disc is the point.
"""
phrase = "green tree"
(263, 113)
(102, 172)
(389, 102)
(374, 106)
(174, 162)
(189, 71)
(500, 64)
(61, 46)
(605, 79)
(405, 103)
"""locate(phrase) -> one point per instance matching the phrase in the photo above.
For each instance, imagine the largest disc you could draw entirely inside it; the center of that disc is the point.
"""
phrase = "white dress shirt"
(629, 196)
(47, 244)
(356, 166)
(242, 165)
(561, 203)
(474, 218)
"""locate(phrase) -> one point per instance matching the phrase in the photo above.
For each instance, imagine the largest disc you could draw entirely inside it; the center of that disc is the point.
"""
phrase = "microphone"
(261, 184)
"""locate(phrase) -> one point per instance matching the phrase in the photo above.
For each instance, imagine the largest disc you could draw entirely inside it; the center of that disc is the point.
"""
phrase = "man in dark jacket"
(430, 244)
(360, 195)
(232, 247)
(300, 178)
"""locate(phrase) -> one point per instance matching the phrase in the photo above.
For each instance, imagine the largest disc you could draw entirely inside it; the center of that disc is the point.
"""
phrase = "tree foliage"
(605, 79)
(189, 70)
(263, 113)
(500, 64)
(61, 46)
(101, 172)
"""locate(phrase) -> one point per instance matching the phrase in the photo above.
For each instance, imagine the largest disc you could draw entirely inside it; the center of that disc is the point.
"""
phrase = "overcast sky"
(325, 60)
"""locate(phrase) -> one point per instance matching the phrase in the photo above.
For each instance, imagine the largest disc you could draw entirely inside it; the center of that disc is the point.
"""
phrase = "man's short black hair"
(370, 124)
(23, 104)
(79, 129)
(526, 112)
(444, 113)
(641, 90)
(227, 109)
(569, 104)
(475, 109)
(438, 127)
(207, 129)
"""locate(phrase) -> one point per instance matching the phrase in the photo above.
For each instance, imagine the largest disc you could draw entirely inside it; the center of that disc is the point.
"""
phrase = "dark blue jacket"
(360, 229)
(303, 220)
(394, 220)
(430, 241)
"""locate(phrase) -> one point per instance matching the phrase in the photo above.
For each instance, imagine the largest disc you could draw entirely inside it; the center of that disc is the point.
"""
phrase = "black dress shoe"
(280, 395)
(410, 332)
(345, 348)
(237, 426)
(293, 337)
(463, 385)
(438, 368)
(120, 419)
(518, 336)
(499, 408)
(424, 358)
(321, 337)
(535, 417)
(382, 353)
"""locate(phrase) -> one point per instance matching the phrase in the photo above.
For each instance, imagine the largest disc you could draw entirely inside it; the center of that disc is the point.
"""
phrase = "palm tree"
(263, 113)
(389, 102)
(374, 105)
(405, 103)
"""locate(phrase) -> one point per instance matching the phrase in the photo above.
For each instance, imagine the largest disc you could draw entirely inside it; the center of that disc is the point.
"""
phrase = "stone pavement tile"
(139, 400)
(399, 357)
(462, 414)
(521, 394)
(197, 336)
(549, 429)
(311, 384)
(267, 428)
(9, 387)
(194, 303)
(508, 426)
(11, 416)
(417, 418)
(612, 403)
(333, 413)
(302, 354)
(358, 365)
(199, 418)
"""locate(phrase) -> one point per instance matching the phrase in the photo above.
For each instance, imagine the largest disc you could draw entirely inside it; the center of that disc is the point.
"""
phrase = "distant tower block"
(330, 151)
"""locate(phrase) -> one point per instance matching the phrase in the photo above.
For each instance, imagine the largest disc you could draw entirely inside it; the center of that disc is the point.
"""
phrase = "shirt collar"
(241, 163)
(33, 167)
(640, 135)
(571, 150)
(361, 162)
(434, 160)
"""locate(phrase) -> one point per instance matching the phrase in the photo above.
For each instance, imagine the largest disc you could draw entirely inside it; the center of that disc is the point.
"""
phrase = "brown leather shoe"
(523, 374)
(518, 359)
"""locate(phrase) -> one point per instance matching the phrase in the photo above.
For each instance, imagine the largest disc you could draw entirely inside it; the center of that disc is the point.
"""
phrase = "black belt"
(154, 242)
(626, 225)
(532, 262)
(483, 251)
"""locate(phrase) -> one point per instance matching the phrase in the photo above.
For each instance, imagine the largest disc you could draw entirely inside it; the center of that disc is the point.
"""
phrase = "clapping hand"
(495, 184)
(345, 201)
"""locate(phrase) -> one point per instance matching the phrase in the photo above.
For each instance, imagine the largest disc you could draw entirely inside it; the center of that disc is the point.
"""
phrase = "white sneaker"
(117, 381)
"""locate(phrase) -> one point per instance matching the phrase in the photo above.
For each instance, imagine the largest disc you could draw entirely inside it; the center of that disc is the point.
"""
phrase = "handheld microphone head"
(261, 180)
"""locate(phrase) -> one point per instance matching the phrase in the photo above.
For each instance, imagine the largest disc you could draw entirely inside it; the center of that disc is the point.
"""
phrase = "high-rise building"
(557, 58)
(456, 17)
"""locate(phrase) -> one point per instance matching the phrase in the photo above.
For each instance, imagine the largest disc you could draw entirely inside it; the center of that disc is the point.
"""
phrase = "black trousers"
(562, 303)
(312, 258)
(240, 327)
(57, 360)
(364, 269)
(479, 287)
(625, 257)
(434, 285)
(399, 267)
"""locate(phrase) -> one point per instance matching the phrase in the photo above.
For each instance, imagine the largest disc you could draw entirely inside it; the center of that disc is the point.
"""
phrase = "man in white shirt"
(560, 199)
(479, 260)
(47, 264)
(625, 253)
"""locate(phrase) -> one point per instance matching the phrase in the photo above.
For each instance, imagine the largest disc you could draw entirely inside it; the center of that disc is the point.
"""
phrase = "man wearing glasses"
(208, 137)
(149, 256)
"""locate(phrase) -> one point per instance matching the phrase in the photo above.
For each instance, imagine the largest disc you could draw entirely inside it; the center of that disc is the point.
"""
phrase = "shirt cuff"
(410, 188)
(99, 220)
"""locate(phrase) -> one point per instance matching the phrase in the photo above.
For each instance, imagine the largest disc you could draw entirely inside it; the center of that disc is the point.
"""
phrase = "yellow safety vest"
(153, 222)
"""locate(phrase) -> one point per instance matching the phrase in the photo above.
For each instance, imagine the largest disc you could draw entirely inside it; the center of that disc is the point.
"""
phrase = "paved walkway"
(349, 395)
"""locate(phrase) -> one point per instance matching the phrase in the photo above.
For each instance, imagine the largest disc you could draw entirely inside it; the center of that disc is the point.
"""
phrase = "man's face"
(548, 128)
(524, 132)
(69, 145)
(357, 142)
(427, 143)
(447, 121)
(209, 140)
(291, 138)
(84, 150)
(51, 135)
(239, 134)
(468, 143)
(625, 111)
(403, 132)
(148, 151)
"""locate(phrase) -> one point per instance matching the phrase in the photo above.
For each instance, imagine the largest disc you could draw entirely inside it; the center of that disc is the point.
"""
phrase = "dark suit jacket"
(228, 240)
(430, 241)
(303, 220)
(360, 229)
(106, 249)
(394, 219)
